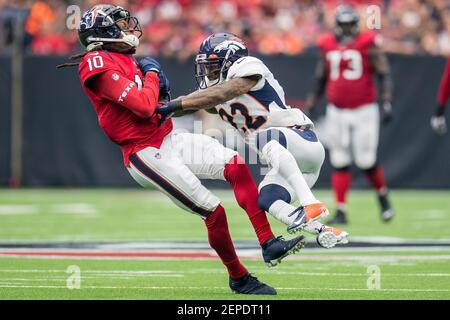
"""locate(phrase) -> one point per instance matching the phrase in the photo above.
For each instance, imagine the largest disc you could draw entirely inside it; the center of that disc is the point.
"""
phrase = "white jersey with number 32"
(263, 106)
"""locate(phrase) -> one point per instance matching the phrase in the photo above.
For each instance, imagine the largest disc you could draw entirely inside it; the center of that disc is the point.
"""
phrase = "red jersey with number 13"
(350, 82)
(124, 100)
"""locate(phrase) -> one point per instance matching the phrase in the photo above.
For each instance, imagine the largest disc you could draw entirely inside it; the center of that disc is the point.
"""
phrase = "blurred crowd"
(176, 27)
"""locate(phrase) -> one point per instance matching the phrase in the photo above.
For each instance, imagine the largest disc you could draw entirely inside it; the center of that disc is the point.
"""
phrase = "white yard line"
(86, 209)
(18, 209)
(13, 285)
(169, 273)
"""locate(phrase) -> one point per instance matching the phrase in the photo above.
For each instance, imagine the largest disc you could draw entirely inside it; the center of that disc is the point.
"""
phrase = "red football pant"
(220, 240)
(246, 194)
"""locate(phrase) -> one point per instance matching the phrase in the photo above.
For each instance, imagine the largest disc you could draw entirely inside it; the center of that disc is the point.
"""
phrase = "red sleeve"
(444, 87)
(113, 86)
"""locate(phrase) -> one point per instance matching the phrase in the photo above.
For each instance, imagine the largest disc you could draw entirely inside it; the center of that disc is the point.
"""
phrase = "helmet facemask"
(208, 70)
(211, 70)
(347, 29)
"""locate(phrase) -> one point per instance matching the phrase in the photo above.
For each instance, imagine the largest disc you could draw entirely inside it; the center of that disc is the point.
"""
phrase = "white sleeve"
(246, 67)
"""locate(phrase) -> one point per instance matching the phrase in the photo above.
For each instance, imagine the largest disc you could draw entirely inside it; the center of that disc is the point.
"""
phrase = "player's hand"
(386, 112)
(167, 110)
(439, 124)
(150, 64)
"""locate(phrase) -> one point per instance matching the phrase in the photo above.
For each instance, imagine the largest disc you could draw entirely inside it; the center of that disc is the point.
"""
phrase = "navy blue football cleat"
(251, 285)
(275, 249)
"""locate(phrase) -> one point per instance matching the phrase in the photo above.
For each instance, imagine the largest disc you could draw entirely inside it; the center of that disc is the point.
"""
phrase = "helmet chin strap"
(129, 39)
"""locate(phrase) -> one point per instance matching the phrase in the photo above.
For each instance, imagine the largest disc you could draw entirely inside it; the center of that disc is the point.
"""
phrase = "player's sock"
(376, 178)
(280, 158)
(341, 181)
(220, 240)
(246, 194)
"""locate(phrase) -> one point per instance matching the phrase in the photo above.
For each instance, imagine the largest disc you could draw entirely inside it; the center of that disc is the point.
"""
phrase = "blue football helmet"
(99, 25)
(346, 21)
(216, 55)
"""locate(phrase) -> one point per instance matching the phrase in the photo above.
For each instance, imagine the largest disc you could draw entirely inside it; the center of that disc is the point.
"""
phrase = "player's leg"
(340, 157)
(294, 155)
(160, 168)
(309, 154)
(208, 159)
(272, 146)
(365, 145)
(276, 197)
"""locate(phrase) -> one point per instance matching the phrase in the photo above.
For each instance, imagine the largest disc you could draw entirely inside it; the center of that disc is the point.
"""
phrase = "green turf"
(143, 215)
(401, 278)
(129, 215)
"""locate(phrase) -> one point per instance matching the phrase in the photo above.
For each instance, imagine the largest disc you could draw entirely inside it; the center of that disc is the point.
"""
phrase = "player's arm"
(319, 84)
(438, 122)
(210, 97)
(215, 95)
(113, 86)
(380, 65)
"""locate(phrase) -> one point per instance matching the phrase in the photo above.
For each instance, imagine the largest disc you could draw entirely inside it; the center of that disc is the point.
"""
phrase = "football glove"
(386, 112)
(438, 122)
(150, 64)
(167, 110)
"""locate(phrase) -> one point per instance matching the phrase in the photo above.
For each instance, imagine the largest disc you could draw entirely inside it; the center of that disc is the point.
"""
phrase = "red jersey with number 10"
(124, 100)
(350, 82)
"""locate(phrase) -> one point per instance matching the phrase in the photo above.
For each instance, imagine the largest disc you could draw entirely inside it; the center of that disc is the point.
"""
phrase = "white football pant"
(176, 167)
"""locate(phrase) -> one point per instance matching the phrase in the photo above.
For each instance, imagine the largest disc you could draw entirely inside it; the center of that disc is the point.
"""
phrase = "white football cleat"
(306, 214)
(331, 236)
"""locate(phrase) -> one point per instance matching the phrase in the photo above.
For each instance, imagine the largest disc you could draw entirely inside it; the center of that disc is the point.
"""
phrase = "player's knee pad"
(340, 158)
(264, 137)
(271, 193)
(366, 161)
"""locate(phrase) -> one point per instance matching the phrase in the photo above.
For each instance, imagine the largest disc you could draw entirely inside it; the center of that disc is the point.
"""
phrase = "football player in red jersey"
(125, 95)
(438, 122)
(349, 61)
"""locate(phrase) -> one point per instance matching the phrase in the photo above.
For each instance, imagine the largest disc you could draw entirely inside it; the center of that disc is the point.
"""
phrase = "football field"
(135, 244)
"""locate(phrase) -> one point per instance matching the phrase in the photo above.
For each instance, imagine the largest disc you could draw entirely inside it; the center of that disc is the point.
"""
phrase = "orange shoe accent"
(315, 211)
(336, 231)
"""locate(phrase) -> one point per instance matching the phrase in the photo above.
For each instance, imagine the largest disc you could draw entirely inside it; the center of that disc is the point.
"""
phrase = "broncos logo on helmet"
(216, 55)
(231, 45)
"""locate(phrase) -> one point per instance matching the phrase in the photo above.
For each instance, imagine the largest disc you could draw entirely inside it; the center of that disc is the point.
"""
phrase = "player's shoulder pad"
(245, 67)
(94, 63)
(324, 40)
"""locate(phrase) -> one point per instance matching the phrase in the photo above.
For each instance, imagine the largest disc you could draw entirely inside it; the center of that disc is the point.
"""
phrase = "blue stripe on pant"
(166, 185)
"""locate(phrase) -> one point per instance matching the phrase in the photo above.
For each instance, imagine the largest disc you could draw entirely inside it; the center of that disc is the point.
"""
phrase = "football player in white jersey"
(243, 91)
